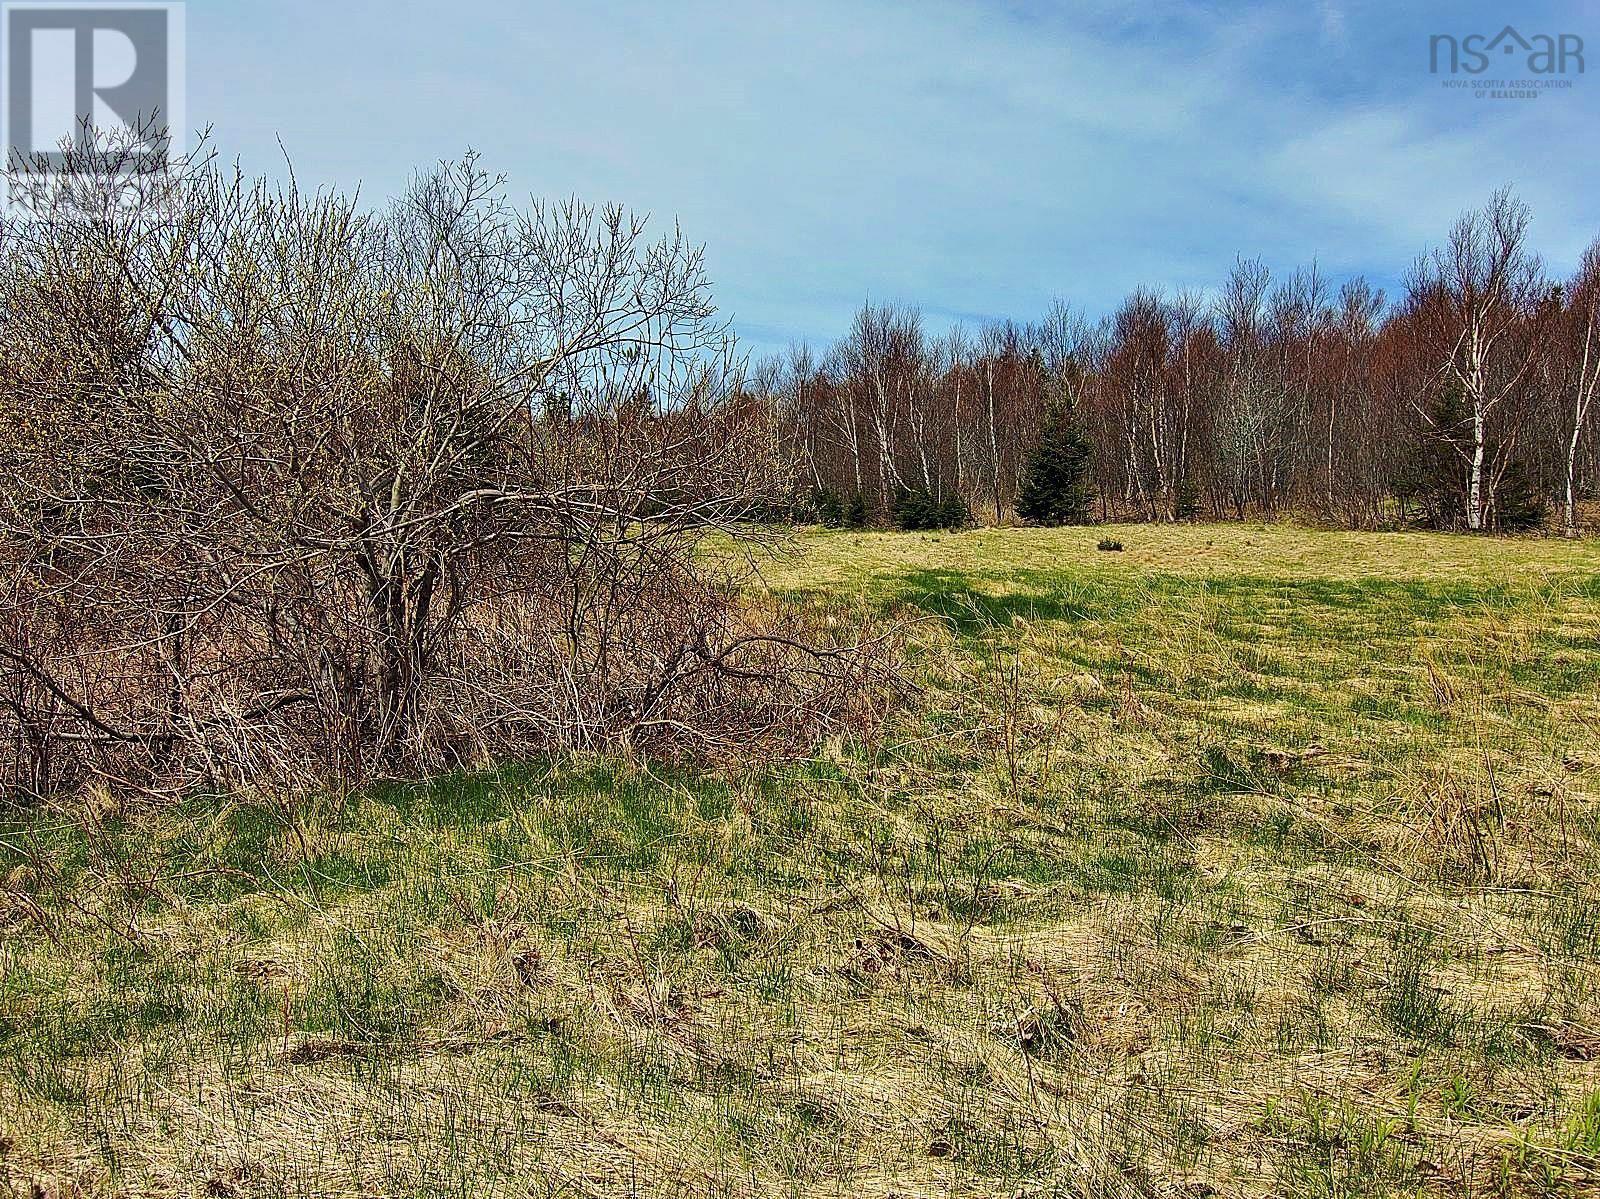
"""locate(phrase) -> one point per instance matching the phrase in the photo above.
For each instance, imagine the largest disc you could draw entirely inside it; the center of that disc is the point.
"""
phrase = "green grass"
(1252, 860)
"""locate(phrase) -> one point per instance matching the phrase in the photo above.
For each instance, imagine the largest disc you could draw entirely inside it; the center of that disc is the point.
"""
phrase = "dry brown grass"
(1258, 868)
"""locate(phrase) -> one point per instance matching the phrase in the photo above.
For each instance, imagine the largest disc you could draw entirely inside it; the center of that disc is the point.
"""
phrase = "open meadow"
(1251, 860)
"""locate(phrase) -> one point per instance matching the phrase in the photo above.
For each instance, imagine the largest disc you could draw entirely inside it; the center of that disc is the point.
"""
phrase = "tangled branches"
(294, 492)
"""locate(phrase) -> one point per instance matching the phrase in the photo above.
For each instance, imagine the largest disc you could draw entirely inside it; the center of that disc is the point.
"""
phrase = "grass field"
(1249, 861)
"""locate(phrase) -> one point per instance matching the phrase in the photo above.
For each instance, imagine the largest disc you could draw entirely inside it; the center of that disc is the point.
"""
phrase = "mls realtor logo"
(92, 74)
(1531, 65)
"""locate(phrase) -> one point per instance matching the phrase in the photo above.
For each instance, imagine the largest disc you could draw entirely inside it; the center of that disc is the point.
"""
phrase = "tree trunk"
(1475, 473)
(1572, 499)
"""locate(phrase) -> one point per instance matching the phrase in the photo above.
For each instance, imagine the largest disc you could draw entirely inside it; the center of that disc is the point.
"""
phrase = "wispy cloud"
(1334, 31)
(976, 156)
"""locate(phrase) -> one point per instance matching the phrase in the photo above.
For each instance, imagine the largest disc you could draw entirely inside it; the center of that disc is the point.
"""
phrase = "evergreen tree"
(855, 512)
(1055, 481)
(912, 510)
(825, 502)
(1186, 502)
(1518, 506)
(953, 513)
(919, 510)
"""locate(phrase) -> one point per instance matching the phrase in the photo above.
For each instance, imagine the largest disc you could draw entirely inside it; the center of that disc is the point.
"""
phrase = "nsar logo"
(1541, 54)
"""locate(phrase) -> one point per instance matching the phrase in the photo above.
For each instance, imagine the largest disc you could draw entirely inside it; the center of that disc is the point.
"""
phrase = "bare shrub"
(298, 492)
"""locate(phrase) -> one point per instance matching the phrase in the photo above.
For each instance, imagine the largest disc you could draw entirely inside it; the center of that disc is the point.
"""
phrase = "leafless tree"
(1582, 322)
(1276, 395)
(1474, 297)
(292, 488)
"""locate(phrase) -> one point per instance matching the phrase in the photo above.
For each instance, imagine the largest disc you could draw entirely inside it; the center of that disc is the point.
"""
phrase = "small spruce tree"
(1518, 506)
(953, 513)
(825, 502)
(1055, 481)
(1186, 500)
(910, 509)
(855, 512)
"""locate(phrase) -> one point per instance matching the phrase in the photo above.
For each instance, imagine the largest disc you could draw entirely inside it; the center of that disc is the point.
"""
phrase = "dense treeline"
(1467, 403)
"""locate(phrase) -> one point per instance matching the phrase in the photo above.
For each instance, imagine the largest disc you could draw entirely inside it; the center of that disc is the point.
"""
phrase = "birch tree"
(1475, 298)
(1583, 375)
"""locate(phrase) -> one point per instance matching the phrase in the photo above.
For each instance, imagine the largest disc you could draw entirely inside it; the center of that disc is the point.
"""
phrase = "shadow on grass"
(593, 811)
(956, 597)
(951, 596)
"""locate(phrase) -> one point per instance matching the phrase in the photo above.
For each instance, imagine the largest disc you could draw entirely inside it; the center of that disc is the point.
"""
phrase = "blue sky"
(976, 157)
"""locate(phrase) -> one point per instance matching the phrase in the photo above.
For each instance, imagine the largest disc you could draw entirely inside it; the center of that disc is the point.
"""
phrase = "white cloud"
(1399, 180)
(973, 157)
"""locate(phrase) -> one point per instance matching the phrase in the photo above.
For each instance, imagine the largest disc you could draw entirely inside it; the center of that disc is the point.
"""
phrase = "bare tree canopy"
(1468, 403)
(296, 489)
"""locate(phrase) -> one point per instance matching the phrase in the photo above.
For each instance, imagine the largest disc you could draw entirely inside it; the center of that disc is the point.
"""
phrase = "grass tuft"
(1248, 861)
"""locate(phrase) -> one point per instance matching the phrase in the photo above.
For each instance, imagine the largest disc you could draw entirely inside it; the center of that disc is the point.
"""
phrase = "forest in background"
(1466, 402)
